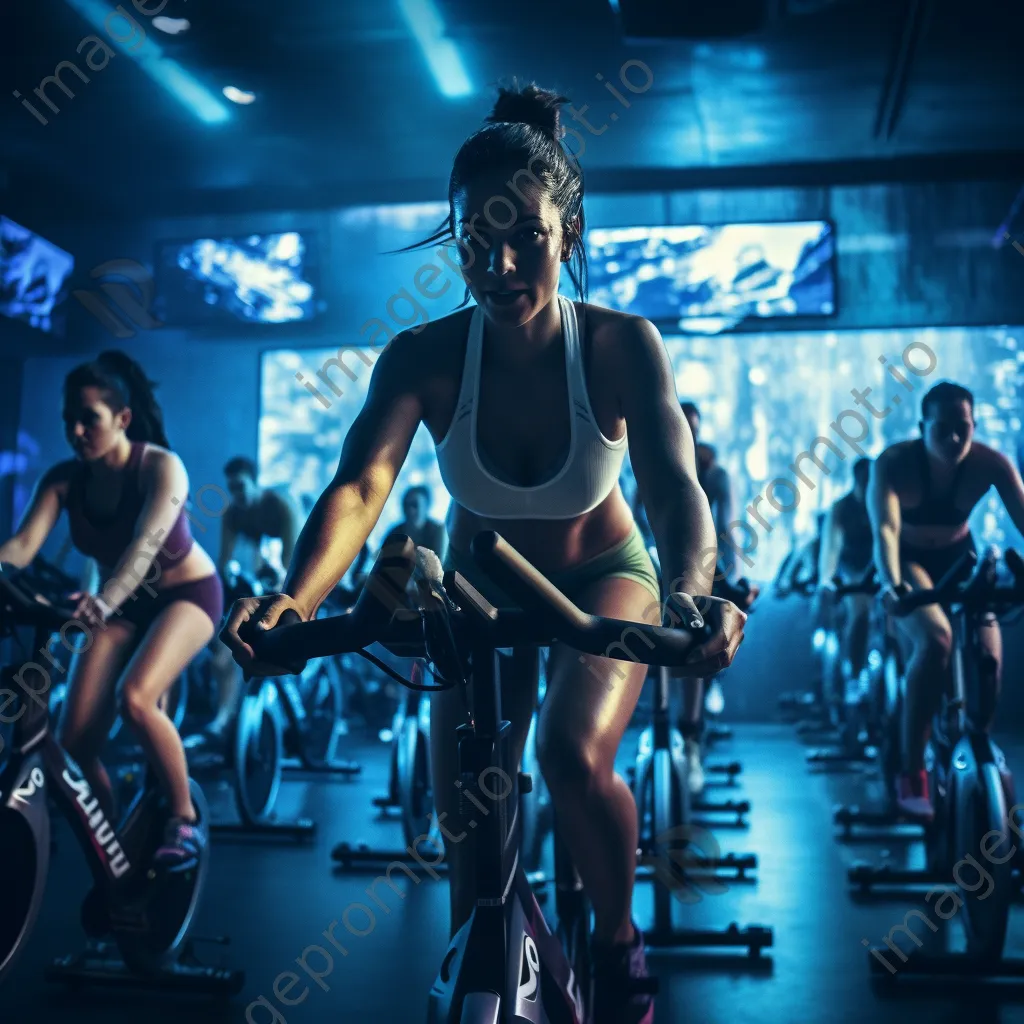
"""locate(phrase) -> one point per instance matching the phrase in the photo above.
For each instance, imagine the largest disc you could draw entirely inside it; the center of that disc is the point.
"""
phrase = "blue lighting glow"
(425, 23)
(168, 74)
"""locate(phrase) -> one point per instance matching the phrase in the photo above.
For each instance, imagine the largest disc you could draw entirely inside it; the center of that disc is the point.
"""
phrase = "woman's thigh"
(172, 640)
(90, 707)
(590, 699)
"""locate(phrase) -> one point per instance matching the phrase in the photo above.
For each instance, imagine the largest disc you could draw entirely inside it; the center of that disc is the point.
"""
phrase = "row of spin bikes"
(506, 964)
(859, 717)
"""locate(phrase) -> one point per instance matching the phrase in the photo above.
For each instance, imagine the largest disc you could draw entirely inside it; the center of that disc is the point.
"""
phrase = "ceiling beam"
(897, 72)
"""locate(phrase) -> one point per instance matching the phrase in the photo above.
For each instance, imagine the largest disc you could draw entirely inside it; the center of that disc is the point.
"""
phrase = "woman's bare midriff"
(196, 565)
(551, 544)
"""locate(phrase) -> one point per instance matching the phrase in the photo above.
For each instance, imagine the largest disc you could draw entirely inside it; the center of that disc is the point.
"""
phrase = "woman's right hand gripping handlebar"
(249, 614)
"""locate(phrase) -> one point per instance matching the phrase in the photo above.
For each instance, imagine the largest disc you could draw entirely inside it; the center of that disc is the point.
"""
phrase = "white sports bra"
(591, 469)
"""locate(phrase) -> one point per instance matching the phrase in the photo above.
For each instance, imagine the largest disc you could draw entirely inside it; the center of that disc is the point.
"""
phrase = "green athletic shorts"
(628, 560)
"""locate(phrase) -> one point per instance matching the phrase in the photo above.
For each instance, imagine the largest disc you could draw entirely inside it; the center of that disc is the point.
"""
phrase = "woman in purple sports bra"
(160, 598)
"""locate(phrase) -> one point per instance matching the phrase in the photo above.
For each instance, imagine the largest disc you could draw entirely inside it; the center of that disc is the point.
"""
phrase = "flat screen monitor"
(732, 271)
(33, 273)
(255, 279)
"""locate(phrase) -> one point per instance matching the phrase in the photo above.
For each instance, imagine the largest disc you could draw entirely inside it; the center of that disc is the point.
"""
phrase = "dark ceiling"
(347, 109)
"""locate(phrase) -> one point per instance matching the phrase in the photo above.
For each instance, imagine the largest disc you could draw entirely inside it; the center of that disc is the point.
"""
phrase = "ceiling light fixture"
(172, 26)
(238, 95)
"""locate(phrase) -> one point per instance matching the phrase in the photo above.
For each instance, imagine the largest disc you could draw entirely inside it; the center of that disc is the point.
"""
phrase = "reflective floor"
(276, 900)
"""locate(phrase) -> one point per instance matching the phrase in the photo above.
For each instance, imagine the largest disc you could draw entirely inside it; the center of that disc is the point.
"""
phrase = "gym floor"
(275, 900)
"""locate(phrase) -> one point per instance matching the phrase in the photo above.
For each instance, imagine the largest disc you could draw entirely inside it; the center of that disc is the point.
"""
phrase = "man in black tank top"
(920, 498)
(846, 552)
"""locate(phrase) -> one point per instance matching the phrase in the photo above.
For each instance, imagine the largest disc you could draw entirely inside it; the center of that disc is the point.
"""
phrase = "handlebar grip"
(382, 597)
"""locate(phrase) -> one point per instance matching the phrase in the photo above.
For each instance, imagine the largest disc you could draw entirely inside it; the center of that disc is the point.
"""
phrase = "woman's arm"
(662, 453)
(374, 451)
(39, 519)
(165, 486)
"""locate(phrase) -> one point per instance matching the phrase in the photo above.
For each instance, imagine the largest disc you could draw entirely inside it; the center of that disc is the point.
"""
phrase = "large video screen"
(734, 271)
(32, 275)
(763, 398)
(258, 279)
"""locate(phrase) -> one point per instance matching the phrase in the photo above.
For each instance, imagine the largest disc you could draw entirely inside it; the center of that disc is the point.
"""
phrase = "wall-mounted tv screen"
(32, 275)
(733, 271)
(258, 279)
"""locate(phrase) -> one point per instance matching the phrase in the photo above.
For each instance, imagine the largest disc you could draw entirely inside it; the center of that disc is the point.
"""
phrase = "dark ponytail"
(524, 131)
(124, 384)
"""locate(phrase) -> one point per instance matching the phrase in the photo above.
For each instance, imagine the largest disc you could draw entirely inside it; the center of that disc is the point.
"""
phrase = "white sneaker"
(694, 769)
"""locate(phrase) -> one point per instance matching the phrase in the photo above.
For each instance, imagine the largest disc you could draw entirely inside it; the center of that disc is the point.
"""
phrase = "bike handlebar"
(980, 590)
(381, 615)
(866, 584)
(805, 587)
(22, 606)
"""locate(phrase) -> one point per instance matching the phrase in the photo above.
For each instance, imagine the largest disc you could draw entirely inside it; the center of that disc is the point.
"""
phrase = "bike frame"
(971, 695)
(38, 765)
(493, 967)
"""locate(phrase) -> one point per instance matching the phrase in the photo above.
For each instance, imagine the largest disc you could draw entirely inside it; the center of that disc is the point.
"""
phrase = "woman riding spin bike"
(920, 498)
(161, 598)
(528, 398)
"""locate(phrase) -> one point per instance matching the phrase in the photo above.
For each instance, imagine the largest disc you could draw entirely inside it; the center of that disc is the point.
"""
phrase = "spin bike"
(670, 832)
(807, 708)
(846, 699)
(148, 913)
(258, 747)
(410, 788)
(968, 776)
(504, 965)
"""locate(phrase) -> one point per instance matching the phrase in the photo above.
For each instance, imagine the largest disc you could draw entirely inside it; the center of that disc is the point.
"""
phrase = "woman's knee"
(135, 705)
(570, 761)
(935, 643)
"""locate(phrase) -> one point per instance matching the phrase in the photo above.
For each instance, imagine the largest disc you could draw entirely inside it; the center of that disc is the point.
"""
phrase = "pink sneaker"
(623, 990)
(912, 797)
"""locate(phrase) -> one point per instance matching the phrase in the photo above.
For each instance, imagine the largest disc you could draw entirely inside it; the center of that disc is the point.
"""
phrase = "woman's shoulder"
(621, 345)
(155, 461)
(613, 328)
(61, 475)
(428, 348)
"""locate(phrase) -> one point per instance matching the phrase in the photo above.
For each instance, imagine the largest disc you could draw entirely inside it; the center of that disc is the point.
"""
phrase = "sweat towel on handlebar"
(626, 560)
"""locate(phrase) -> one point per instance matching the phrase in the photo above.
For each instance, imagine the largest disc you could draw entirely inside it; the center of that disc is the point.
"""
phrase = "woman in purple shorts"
(161, 598)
